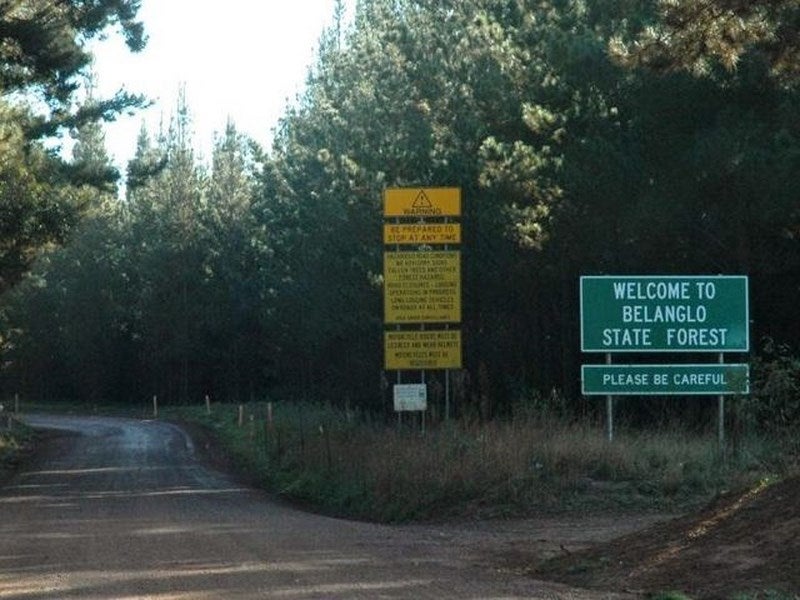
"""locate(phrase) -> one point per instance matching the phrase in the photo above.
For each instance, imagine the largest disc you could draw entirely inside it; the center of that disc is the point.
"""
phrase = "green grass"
(345, 464)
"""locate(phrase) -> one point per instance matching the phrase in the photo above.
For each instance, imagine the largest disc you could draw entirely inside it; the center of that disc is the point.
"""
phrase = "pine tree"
(43, 58)
(697, 34)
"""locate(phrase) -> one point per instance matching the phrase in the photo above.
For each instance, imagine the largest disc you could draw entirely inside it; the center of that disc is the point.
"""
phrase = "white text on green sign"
(665, 380)
(664, 314)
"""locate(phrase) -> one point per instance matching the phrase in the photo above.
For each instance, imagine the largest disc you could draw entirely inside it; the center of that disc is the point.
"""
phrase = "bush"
(774, 403)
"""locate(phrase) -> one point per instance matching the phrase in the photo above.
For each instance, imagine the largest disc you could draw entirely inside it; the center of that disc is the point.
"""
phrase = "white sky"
(240, 58)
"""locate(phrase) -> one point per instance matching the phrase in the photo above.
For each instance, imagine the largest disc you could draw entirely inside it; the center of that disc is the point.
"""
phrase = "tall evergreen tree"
(166, 210)
(68, 316)
(44, 57)
(240, 292)
(697, 34)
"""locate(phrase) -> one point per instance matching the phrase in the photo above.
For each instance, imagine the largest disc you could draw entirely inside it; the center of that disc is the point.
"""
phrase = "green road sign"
(664, 314)
(665, 380)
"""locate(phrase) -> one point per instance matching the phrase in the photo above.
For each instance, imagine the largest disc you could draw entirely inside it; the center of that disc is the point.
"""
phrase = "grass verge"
(344, 464)
(15, 439)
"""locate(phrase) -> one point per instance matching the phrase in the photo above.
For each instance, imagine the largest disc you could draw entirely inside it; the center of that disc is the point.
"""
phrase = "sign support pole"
(422, 415)
(447, 394)
(446, 371)
(399, 378)
(609, 409)
(721, 412)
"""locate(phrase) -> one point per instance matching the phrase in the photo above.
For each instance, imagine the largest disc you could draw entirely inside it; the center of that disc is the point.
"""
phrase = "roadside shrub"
(774, 402)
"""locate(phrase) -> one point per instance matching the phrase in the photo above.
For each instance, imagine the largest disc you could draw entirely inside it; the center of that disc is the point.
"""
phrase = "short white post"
(16, 404)
(208, 405)
(241, 415)
(155, 407)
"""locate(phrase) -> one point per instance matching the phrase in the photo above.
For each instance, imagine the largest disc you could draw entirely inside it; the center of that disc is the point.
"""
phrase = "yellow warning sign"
(422, 287)
(422, 233)
(405, 350)
(422, 202)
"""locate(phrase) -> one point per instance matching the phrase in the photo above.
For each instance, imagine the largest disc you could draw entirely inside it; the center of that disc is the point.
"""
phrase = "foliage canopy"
(262, 271)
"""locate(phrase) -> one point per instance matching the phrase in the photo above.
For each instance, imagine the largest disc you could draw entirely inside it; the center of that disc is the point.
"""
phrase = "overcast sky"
(240, 58)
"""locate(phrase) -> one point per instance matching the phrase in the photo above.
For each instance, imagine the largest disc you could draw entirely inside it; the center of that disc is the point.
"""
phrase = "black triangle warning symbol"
(422, 200)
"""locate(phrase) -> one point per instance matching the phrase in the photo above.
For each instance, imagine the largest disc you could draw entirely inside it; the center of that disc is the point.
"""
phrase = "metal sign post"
(609, 410)
(721, 412)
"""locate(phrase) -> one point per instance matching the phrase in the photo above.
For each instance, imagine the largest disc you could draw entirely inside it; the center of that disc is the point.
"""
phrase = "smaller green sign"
(665, 380)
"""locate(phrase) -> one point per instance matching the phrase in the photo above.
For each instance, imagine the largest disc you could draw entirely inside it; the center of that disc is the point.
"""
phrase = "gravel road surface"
(122, 509)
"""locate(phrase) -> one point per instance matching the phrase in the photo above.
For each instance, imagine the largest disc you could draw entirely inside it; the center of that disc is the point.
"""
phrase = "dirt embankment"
(744, 542)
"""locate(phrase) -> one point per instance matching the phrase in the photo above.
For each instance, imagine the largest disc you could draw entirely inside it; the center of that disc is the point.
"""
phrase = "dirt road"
(122, 509)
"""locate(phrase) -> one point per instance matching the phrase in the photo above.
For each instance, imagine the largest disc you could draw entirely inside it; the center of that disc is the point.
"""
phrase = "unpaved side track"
(122, 509)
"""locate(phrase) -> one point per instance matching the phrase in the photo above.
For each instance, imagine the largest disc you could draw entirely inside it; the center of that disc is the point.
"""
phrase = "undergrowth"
(14, 438)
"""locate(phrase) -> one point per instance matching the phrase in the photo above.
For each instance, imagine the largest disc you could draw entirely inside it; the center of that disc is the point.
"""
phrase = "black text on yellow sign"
(422, 287)
(422, 233)
(422, 202)
(407, 350)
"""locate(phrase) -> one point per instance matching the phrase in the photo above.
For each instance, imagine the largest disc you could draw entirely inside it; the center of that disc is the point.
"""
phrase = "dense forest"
(587, 137)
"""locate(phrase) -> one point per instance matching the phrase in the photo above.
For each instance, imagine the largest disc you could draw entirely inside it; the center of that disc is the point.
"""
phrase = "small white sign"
(410, 397)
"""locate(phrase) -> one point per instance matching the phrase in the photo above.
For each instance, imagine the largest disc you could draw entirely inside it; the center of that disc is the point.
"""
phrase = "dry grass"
(344, 463)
